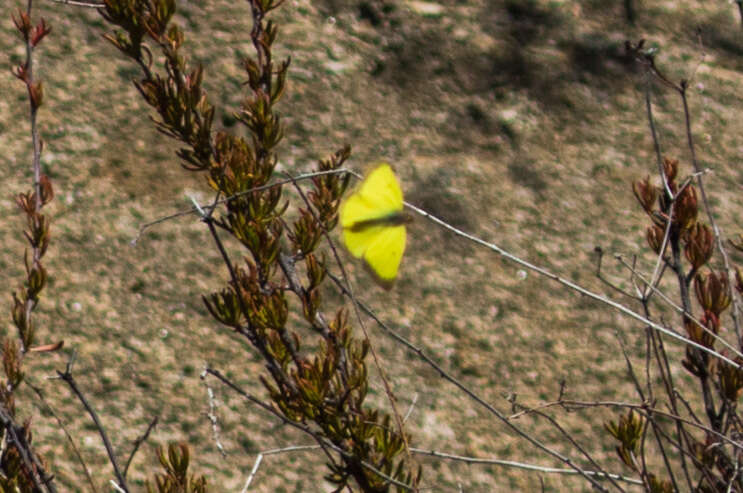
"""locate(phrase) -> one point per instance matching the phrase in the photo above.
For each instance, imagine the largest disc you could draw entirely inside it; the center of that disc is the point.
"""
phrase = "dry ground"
(519, 121)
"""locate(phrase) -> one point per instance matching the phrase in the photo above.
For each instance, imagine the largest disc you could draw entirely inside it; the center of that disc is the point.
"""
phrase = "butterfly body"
(392, 219)
(373, 224)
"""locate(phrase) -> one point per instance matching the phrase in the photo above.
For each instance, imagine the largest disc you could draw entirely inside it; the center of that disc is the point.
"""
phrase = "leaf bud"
(699, 245)
(670, 168)
(655, 235)
(713, 291)
(686, 208)
(645, 193)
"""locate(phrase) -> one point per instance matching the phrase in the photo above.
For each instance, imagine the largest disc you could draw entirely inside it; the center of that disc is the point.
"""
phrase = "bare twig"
(469, 392)
(212, 415)
(139, 441)
(195, 209)
(76, 3)
(259, 459)
(600, 256)
(521, 465)
(61, 424)
(410, 409)
(450, 457)
(680, 309)
(710, 216)
(571, 285)
(656, 142)
(571, 405)
(67, 377)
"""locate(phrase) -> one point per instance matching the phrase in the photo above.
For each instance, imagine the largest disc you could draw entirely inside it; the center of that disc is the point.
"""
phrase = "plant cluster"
(701, 452)
(321, 391)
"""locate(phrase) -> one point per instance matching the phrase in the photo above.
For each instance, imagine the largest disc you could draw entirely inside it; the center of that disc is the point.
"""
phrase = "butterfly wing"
(384, 253)
(378, 196)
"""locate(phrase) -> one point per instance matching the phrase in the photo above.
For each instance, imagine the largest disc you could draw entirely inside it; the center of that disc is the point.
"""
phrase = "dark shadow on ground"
(536, 48)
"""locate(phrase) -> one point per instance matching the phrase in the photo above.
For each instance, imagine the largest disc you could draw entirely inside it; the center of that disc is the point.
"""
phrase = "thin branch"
(212, 415)
(116, 487)
(708, 209)
(600, 254)
(630, 368)
(76, 3)
(572, 405)
(61, 424)
(450, 457)
(521, 465)
(67, 377)
(261, 455)
(139, 441)
(410, 409)
(469, 392)
(680, 309)
(660, 261)
(195, 209)
(571, 285)
(661, 357)
(656, 142)
(578, 447)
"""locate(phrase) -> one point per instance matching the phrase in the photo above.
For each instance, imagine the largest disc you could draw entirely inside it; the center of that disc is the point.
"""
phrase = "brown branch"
(577, 446)
(600, 256)
(67, 377)
(138, 442)
(61, 424)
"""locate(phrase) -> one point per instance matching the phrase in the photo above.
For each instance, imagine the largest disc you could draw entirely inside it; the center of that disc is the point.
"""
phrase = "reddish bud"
(645, 193)
(36, 92)
(26, 202)
(19, 313)
(670, 168)
(22, 23)
(713, 291)
(47, 192)
(21, 72)
(39, 32)
(696, 330)
(731, 380)
(699, 245)
(655, 235)
(693, 330)
(686, 208)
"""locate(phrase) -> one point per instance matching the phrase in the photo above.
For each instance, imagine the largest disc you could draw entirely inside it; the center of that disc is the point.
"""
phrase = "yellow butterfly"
(374, 225)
